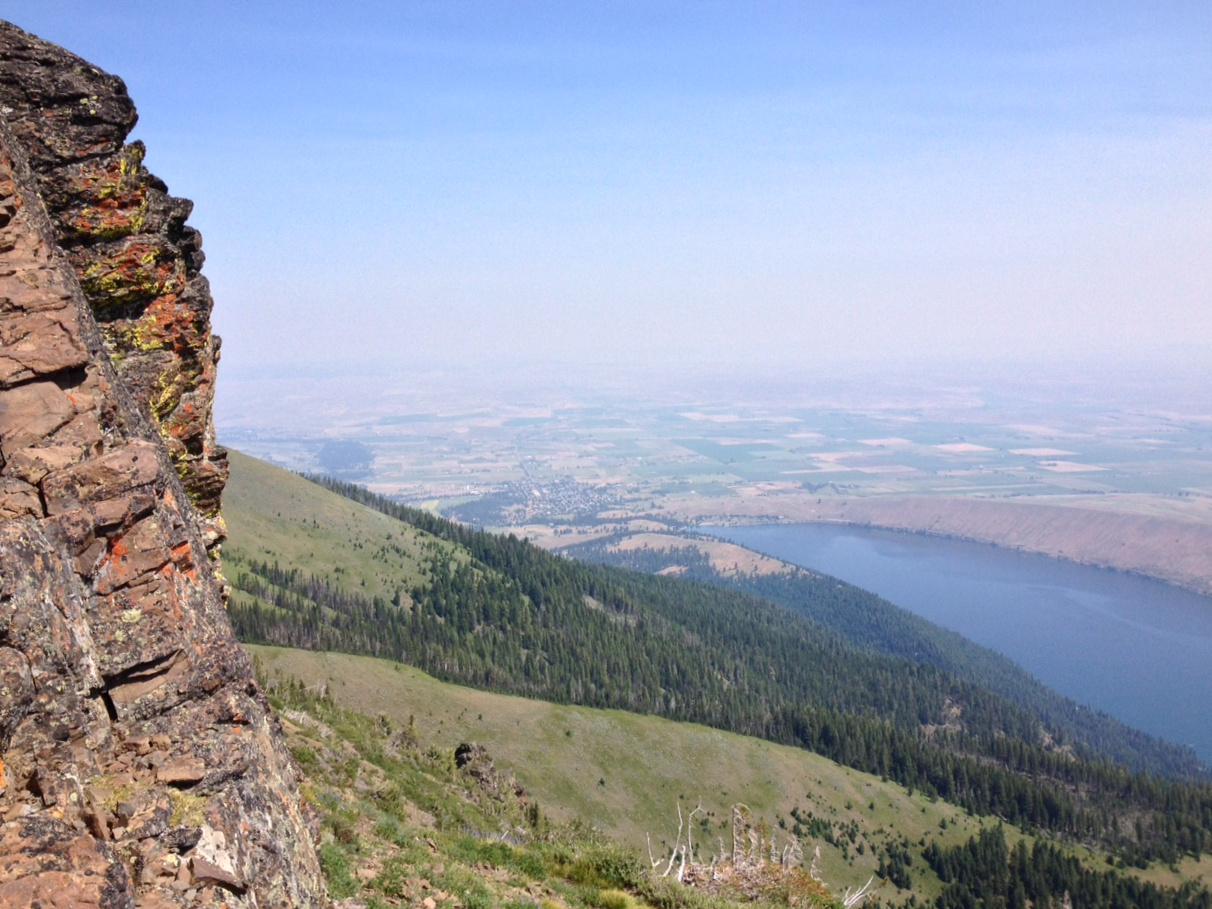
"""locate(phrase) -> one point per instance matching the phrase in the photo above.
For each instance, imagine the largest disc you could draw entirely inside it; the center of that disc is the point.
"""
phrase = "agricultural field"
(1126, 484)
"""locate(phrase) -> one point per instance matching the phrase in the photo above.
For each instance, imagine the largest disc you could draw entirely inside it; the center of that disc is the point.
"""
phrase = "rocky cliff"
(137, 260)
(139, 762)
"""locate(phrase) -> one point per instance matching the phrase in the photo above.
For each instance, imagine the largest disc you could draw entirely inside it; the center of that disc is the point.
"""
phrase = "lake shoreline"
(1134, 646)
(1163, 548)
(1203, 591)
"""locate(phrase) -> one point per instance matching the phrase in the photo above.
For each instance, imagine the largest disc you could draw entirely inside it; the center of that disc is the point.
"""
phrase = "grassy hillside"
(275, 516)
(403, 822)
(626, 773)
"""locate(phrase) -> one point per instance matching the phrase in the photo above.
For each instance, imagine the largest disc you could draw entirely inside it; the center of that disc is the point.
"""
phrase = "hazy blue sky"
(644, 181)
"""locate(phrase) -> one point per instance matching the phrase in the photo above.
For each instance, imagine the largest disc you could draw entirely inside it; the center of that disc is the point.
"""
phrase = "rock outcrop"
(477, 764)
(140, 764)
(126, 238)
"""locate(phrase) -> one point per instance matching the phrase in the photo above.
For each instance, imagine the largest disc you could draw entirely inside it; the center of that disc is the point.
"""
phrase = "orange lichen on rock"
(137, 260)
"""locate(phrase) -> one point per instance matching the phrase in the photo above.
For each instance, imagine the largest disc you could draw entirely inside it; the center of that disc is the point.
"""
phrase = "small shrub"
(388, 829)
(472, 850)
(335, 865)
(305, 758)
(614, 899)
(342, 828)
(529, 864)
(478, 897)
(607, 866)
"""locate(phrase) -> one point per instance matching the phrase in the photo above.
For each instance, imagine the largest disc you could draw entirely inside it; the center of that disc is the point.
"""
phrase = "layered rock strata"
(137, 260)
(140, 764)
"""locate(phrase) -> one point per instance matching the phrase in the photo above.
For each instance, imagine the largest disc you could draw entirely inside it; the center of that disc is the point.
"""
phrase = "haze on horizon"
(450, 183)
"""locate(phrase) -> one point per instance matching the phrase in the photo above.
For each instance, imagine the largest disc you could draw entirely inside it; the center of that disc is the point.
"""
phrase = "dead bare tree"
(754, 868)
(680, 850)
(815, 871)
(850, 900)
(740, 826)
(793, 853)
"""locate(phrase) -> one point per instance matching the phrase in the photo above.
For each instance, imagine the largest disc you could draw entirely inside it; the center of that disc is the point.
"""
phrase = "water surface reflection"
(1141, 650)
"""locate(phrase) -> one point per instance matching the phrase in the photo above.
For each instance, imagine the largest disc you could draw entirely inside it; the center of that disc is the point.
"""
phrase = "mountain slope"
(274, 515)
(509, 617)
(872, 623)
(626, 774)
(405, 822)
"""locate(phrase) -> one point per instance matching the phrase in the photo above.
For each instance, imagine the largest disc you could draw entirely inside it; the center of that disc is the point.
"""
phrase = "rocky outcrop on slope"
(139, 762)
(126, 238)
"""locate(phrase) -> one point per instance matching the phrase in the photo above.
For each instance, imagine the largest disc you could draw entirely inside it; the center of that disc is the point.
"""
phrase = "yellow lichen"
(132, 157)
(164, 399)
(118, 794)
(187, 809)
(141, 336)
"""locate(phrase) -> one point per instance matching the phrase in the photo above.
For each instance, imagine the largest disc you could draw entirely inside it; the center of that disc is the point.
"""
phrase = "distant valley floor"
(1122, 487)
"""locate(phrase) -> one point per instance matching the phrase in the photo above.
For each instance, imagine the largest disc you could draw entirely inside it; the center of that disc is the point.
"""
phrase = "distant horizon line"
(1171, 356)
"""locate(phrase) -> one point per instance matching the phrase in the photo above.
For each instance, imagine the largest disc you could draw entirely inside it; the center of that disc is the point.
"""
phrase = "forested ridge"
(514, 618)
(986, 872)
(872, 623)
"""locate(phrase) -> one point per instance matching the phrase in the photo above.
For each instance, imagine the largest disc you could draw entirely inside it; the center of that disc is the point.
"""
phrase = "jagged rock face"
(137, 261)
(139, 762)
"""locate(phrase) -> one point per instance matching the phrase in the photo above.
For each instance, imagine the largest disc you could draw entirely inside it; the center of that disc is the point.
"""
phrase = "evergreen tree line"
(682, 651)
(1141, 818)
(515, 618)
(986, 874)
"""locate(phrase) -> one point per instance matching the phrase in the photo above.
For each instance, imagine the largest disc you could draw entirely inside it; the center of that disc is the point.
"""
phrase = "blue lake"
(1137, 649)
